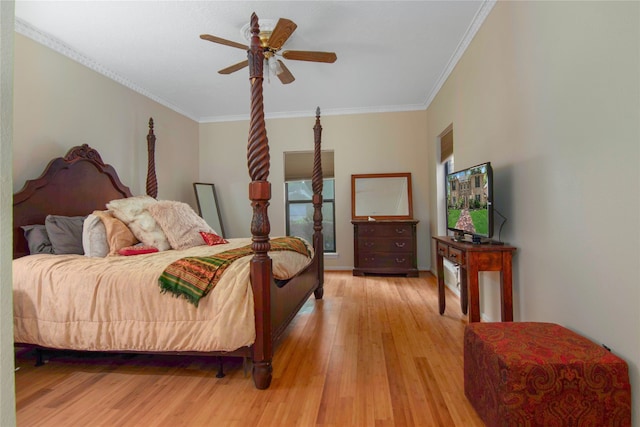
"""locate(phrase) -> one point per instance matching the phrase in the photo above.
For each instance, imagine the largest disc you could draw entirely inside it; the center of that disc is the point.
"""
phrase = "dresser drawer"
(450, 253)
(456, 255)
(385, 230)
(443, 250)
(381, 260)
(390, 244)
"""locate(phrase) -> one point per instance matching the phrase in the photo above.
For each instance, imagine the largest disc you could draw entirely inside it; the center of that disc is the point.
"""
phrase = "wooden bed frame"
(80, 182)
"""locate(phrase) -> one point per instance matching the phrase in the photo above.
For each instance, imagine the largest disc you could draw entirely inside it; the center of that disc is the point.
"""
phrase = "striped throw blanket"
(194, 277)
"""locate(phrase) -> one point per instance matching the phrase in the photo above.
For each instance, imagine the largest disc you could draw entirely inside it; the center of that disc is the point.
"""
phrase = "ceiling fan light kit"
(274, 66)
(266, 28)
(273, 35)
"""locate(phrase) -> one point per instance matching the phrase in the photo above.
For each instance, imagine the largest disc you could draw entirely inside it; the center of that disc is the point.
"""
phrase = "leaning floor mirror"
(208, 205)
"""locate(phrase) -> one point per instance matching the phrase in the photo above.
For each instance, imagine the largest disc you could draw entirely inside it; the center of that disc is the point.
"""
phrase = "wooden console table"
(473, 259)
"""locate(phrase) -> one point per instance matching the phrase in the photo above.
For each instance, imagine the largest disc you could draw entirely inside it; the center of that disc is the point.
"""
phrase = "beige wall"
(549, 93)
(7, 381)
(362, 143)
(60, 103)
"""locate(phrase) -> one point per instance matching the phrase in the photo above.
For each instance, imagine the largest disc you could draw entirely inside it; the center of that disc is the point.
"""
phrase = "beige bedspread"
(115, 304)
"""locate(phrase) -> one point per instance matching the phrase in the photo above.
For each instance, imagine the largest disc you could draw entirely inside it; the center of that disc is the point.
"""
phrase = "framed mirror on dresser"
(384, 231)
(381, 196)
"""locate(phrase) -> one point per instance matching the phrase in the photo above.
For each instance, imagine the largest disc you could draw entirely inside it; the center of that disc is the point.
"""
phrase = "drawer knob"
(400, 244)
(400, 230)
(400, 260)
(368, 244)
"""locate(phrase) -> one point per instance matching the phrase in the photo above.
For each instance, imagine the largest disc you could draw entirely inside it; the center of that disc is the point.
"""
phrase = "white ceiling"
(392, 55)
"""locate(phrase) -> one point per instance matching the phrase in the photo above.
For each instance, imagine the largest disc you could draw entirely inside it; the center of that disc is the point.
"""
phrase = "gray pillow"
(37, 239)
(65, 233)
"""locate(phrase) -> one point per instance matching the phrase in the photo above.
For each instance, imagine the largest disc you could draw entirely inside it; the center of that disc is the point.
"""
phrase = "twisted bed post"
(152, 182)
(260, 194)
(316, 184)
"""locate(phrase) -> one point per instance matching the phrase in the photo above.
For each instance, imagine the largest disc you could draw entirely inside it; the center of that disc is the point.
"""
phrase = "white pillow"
(94, 237)
(180, 223)
(133, 212)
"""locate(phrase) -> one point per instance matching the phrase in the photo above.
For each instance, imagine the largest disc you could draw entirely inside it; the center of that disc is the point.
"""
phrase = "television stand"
(472, 259)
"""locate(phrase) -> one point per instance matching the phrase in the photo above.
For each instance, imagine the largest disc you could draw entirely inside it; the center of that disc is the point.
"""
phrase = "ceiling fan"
(272, 39)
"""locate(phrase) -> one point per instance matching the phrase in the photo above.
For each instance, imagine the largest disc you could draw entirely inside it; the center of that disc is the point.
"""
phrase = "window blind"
(446, 146)
(298, 165)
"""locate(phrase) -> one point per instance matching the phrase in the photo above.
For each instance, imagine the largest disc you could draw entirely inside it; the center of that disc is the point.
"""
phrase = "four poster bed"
(115, 304)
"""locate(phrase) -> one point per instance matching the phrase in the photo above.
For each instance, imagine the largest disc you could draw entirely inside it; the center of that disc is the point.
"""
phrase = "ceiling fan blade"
(234, 67)
(223, 41)
(282, 31)
(304, 55)
(285, 76)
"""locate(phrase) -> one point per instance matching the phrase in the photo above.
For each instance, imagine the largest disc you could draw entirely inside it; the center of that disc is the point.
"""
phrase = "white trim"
(476, 23)
(51, 42)
(27, 30)
(325, 112)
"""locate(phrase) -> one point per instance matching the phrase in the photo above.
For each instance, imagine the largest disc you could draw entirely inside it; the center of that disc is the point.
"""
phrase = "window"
(298, 169)
(448, 167)
(299, 211)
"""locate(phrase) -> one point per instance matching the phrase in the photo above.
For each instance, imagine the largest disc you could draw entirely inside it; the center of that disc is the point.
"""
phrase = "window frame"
(328, 201)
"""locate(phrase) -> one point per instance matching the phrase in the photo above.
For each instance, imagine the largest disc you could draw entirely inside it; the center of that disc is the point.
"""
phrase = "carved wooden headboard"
(73, 185)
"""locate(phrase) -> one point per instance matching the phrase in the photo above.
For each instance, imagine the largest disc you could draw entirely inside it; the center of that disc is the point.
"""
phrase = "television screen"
(469, 201)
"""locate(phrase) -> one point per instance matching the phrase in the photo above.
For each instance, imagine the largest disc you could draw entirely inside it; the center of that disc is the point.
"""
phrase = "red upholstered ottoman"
(541, 374)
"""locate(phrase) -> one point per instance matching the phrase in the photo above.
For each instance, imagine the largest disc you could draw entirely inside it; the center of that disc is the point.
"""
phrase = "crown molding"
(311, 113)
(27, 30)
(476, 23)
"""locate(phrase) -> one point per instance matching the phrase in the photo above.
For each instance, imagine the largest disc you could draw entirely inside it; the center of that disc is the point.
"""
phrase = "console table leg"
(464, 291)
(506, 288)
(474, 295)
(440, 271)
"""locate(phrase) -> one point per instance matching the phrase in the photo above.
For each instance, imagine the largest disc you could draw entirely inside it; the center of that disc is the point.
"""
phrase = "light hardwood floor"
(373, 352)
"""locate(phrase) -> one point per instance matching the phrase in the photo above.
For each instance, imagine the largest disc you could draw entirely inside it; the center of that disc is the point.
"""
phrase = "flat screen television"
(470, 202)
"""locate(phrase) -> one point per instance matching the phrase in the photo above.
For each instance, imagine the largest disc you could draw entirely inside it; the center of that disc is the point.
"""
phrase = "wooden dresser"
(385, 247)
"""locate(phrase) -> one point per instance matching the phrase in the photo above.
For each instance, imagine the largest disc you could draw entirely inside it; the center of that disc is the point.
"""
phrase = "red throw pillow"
(212, 238)
(137, 250)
